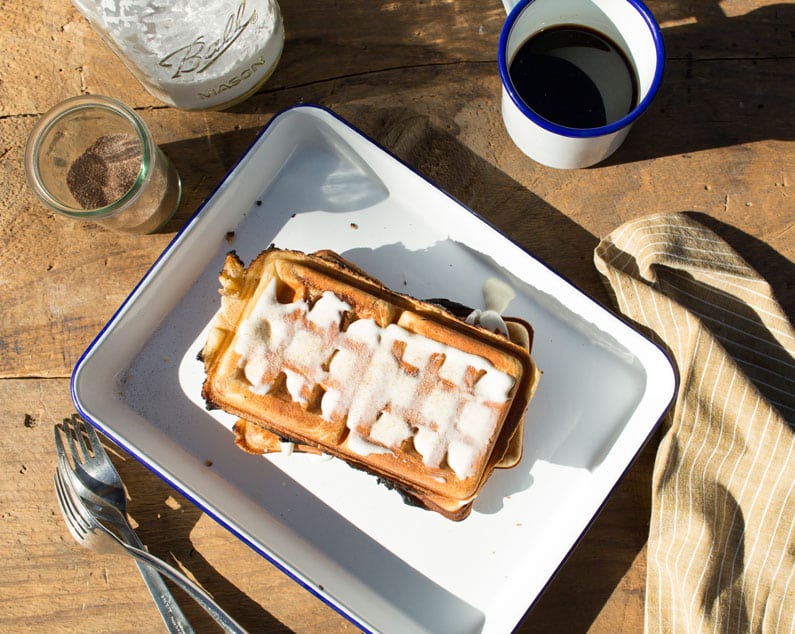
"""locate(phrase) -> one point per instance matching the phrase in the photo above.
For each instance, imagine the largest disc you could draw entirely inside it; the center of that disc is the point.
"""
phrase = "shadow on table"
(777, 270)
(727, 82)
(217, 154)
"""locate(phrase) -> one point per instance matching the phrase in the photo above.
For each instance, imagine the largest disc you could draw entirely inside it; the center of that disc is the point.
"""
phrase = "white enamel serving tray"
(310, 181)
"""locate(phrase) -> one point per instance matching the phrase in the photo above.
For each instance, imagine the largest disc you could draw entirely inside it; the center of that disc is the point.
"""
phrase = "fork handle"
(172, 615)
(227, 623)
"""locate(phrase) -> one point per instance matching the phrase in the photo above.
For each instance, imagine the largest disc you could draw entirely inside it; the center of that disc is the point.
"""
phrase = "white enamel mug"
(629, 24)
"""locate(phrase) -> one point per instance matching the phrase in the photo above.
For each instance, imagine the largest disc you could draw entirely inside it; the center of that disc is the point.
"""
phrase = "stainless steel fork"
(91, 533)
(93, 476)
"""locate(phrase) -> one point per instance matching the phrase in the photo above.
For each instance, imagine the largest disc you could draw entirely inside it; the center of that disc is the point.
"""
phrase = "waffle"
(311, 353)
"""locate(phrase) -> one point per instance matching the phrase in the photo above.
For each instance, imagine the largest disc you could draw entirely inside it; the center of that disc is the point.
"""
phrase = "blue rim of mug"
(609, 128)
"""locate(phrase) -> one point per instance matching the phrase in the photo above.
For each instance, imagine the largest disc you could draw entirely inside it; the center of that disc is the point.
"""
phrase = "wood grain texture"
(51, 583)
(421, 79)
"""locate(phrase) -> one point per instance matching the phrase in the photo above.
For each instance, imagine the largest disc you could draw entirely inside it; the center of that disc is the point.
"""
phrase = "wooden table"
(420, 78)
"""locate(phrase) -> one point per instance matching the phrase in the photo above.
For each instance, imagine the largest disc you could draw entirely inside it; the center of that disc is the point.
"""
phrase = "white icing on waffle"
(387, 385)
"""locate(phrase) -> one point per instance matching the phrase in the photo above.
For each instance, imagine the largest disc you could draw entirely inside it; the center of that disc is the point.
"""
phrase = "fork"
(92, 534)
(93, 476)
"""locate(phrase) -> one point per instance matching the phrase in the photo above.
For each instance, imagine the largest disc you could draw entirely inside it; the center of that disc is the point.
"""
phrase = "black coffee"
(575, 77)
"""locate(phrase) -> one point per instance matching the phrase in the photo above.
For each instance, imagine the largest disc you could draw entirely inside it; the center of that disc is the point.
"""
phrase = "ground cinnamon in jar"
(106, 171)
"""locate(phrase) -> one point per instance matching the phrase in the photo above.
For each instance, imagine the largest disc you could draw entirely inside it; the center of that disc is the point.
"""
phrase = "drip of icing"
(496, 295)
(488, 319)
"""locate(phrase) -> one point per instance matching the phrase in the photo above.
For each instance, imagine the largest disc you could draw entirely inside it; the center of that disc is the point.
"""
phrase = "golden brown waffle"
(309, 349)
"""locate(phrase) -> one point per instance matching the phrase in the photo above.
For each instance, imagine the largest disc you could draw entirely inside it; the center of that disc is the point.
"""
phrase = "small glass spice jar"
(93, 158)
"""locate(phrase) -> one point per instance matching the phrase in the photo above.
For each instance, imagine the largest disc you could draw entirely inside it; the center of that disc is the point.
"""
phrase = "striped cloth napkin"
(721, 549)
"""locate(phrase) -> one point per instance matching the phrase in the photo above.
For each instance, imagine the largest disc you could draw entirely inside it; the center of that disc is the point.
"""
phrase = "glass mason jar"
(93, 158)
(192, 54)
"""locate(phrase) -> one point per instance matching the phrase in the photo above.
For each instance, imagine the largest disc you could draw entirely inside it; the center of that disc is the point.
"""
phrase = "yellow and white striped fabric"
(721, 550)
